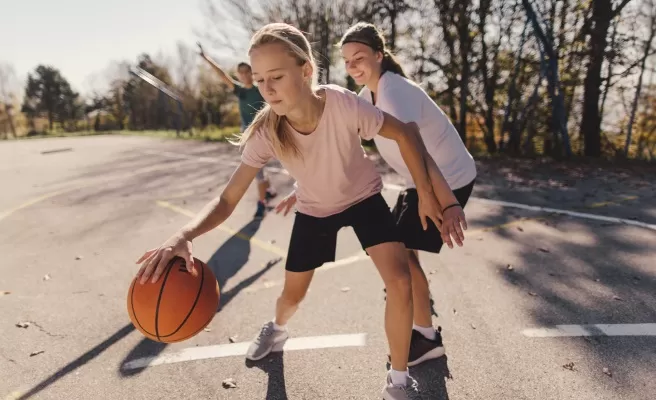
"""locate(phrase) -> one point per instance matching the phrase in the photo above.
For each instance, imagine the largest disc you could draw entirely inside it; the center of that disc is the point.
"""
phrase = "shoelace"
(412, 390)
(267, 330)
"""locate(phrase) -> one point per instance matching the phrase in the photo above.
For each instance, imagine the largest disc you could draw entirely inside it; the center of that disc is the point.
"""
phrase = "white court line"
(239, 349)
(566, 212)
(392, 186)
(593, 330)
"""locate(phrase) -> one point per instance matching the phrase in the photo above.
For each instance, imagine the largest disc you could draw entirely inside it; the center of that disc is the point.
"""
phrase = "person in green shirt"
(250, 102)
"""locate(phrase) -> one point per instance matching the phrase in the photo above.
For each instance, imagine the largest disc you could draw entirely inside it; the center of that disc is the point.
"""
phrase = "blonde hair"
(298, 47)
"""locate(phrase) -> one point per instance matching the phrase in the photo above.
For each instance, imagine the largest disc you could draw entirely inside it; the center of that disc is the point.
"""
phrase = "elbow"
(225, 205)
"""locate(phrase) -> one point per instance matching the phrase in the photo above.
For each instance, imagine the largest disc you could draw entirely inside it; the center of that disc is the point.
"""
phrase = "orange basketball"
(177, 306)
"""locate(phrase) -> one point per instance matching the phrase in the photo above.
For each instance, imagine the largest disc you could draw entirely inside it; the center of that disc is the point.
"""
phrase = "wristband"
(452, 205)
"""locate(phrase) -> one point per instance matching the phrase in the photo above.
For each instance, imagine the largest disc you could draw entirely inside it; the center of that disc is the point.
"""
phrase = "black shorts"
(314, 240)
(406, 214)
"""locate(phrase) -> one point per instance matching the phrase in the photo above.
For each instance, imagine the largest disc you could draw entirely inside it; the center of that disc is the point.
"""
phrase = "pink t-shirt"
(334, 172)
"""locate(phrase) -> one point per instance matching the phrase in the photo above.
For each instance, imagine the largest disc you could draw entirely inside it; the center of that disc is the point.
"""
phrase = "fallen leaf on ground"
(607, 371)
(232, 339)
(208, 329)
(519, 228)
(569, 366)
(473, 326)
(79, 258)
(532, 293)
(46, 277)
(36, 353)
(544, 250)
(4, 293)
(346, 289)
(455, 312)
(432, 272)
(618, 298)
(229, 383)
(23, 325)
(510, 267)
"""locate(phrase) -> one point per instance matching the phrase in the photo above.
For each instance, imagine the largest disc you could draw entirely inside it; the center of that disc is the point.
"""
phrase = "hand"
(429, 208)
(286, 204)
(200, 50)
(453, 225)
(154, 261)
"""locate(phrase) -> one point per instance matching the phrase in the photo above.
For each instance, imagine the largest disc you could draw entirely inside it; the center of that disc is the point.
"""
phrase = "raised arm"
(224, 77)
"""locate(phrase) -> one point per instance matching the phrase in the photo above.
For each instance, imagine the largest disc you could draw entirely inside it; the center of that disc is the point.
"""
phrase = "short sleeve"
(369, 118)
(398, 99)
(258, 149)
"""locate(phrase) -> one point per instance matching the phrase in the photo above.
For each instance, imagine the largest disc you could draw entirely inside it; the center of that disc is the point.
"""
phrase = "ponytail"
(391, 64)
(283, 142)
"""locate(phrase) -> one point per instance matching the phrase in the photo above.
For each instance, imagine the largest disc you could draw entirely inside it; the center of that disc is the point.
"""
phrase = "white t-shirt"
(408, 102)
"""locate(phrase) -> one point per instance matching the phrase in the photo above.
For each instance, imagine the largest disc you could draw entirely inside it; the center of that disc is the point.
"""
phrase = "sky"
(81, 37)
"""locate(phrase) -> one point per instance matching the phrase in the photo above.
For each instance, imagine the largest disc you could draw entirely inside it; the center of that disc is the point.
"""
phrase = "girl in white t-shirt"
(371, 64)
(315, 133)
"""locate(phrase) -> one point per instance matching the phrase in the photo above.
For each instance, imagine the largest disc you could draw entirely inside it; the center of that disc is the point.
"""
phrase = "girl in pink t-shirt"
(315, 133)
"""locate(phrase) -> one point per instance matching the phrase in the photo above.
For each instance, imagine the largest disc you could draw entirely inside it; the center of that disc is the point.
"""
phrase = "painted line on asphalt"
(566, 212)
(239, 349)
(31, 202)
(592, 330)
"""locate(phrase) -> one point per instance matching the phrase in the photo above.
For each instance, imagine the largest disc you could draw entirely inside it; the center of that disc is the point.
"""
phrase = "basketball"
(177, 306)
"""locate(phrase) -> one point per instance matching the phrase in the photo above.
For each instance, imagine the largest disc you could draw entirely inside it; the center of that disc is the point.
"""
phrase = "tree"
(648, 51)
(602, 15)
(48, 91)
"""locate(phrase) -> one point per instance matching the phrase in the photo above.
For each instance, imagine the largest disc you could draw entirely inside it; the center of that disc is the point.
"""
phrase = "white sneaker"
(409, 391)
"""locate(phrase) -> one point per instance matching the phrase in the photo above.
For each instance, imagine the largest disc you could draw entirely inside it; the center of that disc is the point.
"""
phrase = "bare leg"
(420, 292)
(296, 286)
(392, 264)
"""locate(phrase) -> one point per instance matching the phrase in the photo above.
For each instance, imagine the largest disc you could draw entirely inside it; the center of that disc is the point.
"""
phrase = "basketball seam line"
(159, 298)
(200, 289)
(134, 312)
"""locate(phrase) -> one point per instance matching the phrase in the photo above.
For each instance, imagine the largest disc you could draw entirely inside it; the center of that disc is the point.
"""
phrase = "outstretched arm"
(224, 77)
(154, 261)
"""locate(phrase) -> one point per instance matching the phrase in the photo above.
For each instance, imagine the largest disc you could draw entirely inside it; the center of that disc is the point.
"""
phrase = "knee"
(400, 282)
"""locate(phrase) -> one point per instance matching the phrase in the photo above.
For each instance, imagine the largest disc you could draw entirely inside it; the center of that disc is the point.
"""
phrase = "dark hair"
(367, 34)
(243, 64)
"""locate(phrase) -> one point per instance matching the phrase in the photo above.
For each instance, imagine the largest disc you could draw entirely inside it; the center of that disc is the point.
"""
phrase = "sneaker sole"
(277, 346)
(435, 353)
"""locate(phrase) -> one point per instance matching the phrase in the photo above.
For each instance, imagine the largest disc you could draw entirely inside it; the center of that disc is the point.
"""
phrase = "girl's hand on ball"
(154, 262)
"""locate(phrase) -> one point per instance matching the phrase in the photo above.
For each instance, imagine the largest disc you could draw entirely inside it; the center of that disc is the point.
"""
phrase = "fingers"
(280, 207)
(288, 208)
(422, 218)
(147, 268)
(189, 261)
(458, 230)
(463, 222)
(161, 265)
(446, 235)
(437, 222)
(145, 256)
